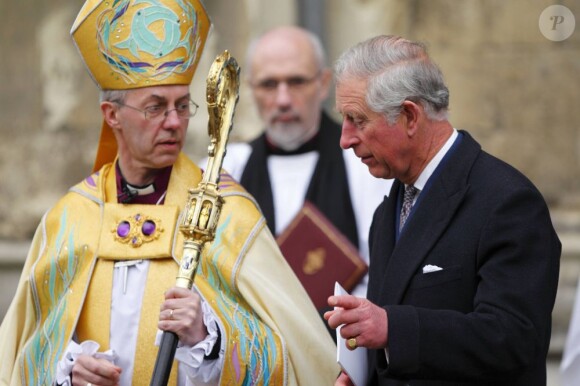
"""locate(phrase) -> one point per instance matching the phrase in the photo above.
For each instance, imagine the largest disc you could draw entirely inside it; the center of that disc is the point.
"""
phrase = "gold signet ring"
(171, 314)
(351, 343)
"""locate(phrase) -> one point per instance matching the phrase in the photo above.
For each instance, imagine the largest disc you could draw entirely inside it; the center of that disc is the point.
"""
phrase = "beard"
(289, 135)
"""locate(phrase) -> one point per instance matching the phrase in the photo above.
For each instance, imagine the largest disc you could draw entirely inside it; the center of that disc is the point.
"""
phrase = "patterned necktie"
(408, 197)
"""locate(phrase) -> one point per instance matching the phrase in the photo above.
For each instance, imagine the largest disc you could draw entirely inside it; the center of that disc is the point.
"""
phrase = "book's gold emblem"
(314, 261)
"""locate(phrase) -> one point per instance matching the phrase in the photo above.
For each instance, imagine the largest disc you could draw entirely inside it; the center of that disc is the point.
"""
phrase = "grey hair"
(113, 95)
(318, 48)
(396, 70)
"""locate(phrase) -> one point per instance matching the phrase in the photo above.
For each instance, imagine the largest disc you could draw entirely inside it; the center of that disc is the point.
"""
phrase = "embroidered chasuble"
(88, 231)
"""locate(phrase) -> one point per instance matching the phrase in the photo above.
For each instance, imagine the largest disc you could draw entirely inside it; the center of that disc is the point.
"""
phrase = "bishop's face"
(150, 126)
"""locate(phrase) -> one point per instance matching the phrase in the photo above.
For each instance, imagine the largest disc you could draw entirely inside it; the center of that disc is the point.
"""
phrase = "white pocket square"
(431, 268)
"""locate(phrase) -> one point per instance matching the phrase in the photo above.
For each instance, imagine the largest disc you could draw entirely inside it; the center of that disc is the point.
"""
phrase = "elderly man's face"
(152, 126)
(383, 147)
(289, 88)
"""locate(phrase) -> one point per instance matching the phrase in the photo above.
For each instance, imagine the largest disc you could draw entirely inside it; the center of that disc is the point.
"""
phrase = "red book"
(320, 255)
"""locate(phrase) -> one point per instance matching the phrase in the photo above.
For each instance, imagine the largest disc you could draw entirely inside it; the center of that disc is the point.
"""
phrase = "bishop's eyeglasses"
(160, 111)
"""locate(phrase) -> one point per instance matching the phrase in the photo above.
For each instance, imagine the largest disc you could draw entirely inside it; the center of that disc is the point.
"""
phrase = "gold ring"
(351, 343)
(170, 314)
(89, 384)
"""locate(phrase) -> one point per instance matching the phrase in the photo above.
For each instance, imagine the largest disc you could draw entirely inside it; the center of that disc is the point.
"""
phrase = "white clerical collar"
(141, 191)
(435, 161)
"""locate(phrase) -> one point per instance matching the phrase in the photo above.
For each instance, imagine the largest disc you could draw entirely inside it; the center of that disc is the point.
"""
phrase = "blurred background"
(512, 70)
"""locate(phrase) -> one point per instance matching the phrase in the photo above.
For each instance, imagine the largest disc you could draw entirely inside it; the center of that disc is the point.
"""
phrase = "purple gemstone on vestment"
(123, 229)
(137, 217)
(134, 240)
(148, 228)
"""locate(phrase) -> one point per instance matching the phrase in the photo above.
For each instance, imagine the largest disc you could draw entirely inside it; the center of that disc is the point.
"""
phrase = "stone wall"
(512, 88)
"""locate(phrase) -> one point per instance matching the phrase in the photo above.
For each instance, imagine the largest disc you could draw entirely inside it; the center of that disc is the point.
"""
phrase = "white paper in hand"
(353, 363)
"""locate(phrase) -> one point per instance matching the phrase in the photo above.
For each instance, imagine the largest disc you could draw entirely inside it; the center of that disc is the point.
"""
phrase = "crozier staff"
(203, 207)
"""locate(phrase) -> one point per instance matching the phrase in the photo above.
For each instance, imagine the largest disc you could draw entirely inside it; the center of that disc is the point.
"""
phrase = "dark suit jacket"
(485, 318)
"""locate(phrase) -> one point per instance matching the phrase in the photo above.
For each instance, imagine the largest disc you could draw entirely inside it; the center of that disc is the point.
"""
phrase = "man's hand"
(181, 313)
(343, 380)
(361, 319)
(96, 371)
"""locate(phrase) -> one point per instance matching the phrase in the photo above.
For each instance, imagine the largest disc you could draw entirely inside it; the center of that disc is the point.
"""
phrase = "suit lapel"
(423, 229)
(429, 220)
(382, 241)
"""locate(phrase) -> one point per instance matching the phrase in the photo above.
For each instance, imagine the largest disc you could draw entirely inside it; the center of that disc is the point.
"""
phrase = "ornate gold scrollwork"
(204, 203)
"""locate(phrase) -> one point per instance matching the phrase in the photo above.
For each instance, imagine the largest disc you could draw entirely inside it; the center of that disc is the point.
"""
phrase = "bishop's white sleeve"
(73, 351)
(194, 366)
